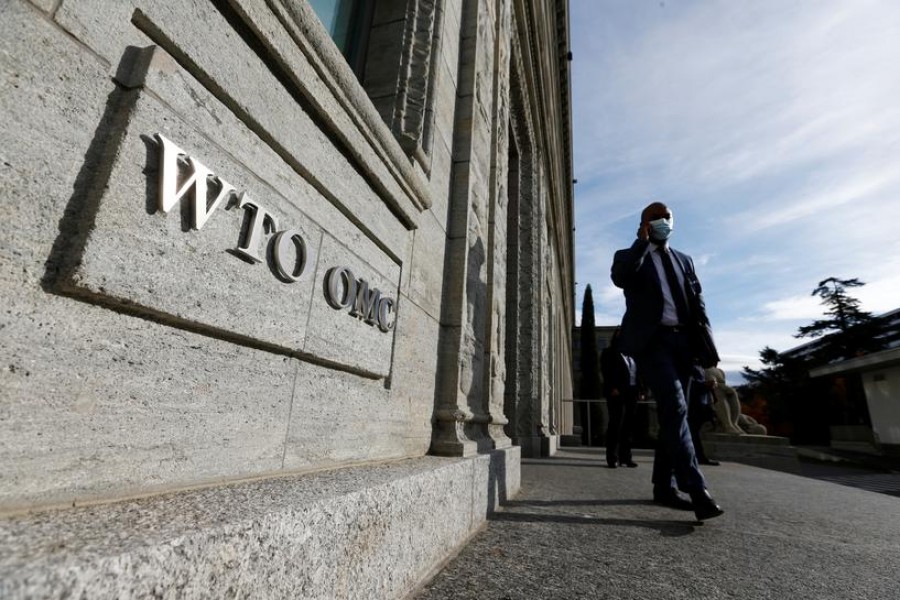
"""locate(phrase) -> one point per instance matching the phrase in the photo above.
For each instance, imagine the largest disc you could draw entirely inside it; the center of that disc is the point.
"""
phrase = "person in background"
(620, 388)
(666, 330)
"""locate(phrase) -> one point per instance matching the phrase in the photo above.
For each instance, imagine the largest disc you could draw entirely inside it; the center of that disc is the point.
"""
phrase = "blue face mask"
(661, 229)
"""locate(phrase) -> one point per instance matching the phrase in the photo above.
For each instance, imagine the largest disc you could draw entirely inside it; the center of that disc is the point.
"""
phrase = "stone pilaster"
(495, 358)
(461, 413)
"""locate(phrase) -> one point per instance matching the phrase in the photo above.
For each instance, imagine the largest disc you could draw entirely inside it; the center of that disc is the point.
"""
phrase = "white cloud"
(793, 308)
(822, 198)
(729, 91)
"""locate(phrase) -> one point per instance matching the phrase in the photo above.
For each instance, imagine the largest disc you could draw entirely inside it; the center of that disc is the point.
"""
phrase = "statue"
(728, 408)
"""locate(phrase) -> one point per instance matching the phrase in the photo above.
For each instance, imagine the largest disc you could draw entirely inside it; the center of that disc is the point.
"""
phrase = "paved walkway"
(580, 530)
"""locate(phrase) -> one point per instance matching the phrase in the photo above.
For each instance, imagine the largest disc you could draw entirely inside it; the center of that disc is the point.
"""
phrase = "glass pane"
(336, 15)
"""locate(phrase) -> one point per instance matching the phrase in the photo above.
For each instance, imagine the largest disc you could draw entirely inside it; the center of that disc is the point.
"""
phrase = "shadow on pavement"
(577, 462)
(621, 502)
(665, 528)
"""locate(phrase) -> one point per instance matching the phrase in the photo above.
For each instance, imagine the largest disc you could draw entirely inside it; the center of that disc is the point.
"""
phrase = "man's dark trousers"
(665, 365)
(620, 428)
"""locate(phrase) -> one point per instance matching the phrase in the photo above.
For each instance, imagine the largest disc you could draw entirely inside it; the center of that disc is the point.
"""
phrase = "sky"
(771, 128)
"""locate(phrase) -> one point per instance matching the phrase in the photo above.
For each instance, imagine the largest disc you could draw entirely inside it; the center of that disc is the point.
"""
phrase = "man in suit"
(666, 330)
(620, 388)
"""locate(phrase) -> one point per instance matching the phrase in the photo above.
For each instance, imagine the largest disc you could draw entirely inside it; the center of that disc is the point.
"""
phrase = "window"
(348, 22)
(390, 46)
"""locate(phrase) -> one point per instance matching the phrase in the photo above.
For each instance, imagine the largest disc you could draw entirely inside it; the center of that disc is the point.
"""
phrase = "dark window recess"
(348, 22)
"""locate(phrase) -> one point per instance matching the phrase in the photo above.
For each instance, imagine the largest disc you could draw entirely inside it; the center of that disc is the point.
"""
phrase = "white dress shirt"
(670, 313)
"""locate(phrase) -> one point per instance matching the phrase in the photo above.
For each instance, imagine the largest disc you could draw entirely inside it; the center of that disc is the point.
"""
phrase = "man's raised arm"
(627, 262)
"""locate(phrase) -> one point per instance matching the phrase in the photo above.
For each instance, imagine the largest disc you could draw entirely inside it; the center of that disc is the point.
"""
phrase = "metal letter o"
(340, 287)
(282, 241)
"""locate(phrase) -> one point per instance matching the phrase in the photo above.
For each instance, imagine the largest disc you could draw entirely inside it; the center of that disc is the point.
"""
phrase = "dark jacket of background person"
(614, 369)
(621, 401)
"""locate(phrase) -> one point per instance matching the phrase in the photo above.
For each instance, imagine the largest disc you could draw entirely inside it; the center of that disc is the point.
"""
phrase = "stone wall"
(224, 258)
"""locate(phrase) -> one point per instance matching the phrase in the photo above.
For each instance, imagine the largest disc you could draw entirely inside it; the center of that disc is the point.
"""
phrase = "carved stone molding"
(413, 107)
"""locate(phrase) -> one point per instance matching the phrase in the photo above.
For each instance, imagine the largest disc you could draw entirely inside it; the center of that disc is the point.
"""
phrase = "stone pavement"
(580, 530)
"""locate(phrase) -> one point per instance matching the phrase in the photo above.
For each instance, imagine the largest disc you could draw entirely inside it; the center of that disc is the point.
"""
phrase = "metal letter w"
(170, 193)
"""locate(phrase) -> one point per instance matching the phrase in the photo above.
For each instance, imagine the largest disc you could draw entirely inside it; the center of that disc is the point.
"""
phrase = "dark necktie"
(677, 290)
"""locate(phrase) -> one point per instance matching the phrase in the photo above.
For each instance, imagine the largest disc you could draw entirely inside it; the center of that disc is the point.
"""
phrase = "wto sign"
(288, 256)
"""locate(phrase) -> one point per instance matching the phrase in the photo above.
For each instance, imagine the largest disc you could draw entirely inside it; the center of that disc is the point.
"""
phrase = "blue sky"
(770, 127)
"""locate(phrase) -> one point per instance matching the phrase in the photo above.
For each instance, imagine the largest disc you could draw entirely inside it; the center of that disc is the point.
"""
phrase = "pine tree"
(590, 371)
(843, 309)
(778, 386)
(851, 330)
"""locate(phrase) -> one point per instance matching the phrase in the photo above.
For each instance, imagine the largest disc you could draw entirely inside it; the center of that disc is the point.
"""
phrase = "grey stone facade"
(181, 184)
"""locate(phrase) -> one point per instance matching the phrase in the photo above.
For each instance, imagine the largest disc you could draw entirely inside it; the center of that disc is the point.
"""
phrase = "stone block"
(413, 378)
(97, 404)
(54, 92)
(427, 265)
(483, 497)
(365, 532)
(444, 101)
(454, 288)
(137, 256)
(453, 10)
(442, 166)
(105, 27)
(735, 447)
(44, 5)
(502, 472)
(341, 418)
(383, 58)
(339, 336)
(450, 39)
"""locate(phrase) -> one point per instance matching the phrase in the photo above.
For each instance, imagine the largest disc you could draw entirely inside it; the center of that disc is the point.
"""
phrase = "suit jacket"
(615, 371)
(633, 271)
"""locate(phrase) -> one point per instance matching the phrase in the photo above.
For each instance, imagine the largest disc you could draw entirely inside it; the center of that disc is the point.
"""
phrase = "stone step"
(360, 532)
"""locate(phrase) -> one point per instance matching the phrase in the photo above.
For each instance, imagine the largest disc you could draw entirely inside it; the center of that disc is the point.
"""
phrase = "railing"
(597, 401)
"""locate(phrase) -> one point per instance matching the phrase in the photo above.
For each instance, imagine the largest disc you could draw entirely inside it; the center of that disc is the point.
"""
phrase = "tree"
(851, 329)
(772, 374)
(843, 309)
(778, 389)
(783, 383)
(590, 373)
(590, 367)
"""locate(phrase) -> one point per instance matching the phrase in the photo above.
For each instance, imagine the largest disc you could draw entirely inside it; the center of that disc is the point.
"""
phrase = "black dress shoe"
(705, 507)
(709, 462)
(672, 499)
(630, 464)
(611, 465)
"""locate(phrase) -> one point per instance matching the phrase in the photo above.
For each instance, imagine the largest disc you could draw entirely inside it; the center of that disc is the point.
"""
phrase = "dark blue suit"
(665, 356)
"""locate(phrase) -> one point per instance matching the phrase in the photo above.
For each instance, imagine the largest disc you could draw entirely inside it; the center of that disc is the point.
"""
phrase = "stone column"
(495, 358)
(464, 378)
(523, 263)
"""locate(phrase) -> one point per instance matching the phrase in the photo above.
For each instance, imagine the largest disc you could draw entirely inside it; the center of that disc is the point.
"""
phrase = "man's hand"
(614, 392)
(644, 231)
